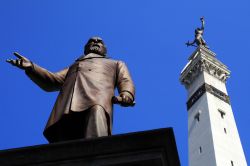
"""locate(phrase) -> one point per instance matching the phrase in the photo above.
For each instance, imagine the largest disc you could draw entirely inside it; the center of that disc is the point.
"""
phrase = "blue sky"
(148, 35)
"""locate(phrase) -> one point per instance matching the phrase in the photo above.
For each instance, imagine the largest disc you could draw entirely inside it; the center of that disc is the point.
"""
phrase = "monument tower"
(213, 138)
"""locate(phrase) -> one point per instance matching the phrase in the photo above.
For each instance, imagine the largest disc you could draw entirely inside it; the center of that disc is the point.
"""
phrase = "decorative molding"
(203, 50)
(200, 91)
(203, 61)
(207, 88)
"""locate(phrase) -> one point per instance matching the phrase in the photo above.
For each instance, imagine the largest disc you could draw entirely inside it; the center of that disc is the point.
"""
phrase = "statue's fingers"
(11, 61)
(21, 62)
(8, 60)
(15, 62)
(18, 55)
(18, 62)
(123, 98)
(130, 100)
(127, 100)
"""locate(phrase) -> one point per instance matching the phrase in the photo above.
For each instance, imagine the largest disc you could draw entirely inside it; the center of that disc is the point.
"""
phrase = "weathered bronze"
(83, 108)
(199, 40)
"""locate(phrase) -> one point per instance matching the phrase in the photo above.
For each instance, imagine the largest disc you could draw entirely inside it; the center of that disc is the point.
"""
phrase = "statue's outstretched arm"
(202, 23)
(21, 62)
(45, 79)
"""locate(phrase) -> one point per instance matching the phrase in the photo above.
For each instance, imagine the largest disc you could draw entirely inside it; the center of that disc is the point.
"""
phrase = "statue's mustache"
(94, 48)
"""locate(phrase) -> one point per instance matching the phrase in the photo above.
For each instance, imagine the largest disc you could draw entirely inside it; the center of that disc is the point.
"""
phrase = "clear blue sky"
(148, 35)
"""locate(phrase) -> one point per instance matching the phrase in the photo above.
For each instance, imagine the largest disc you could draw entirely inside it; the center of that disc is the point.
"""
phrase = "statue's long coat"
(89, 81)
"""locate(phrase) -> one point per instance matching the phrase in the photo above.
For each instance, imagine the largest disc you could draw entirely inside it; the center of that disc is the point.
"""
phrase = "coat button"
(89, 69)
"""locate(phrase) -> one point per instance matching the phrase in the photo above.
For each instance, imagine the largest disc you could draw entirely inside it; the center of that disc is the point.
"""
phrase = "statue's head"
(95, 45)
(197, 30)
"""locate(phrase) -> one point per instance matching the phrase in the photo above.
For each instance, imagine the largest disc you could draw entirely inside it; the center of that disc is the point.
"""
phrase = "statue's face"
(95, 45)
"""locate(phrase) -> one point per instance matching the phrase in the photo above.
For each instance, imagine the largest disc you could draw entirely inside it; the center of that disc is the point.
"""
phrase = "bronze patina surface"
(199, 40)
(83, 108)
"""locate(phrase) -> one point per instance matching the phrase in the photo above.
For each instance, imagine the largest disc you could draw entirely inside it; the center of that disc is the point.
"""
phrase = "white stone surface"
(201, 61)
(200, 135)
(218, 148)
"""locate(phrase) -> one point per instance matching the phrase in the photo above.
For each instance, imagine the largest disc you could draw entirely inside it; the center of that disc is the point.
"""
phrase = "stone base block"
(147, 148)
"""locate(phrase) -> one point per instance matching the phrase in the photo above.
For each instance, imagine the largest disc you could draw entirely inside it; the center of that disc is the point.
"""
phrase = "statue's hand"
(126, 100)
(187, 43)
(202, 18)
(21, 62)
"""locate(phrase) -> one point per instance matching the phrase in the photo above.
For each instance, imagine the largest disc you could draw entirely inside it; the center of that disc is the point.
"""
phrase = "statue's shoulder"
(109, 59)
(117, 62)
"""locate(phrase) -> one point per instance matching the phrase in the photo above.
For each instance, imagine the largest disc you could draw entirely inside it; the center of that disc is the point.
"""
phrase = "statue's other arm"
(125, 84)
(45, 79)
(191, 44)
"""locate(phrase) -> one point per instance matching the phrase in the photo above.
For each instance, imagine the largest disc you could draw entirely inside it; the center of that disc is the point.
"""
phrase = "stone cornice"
(203, 50)
(210, 89)
(203, 60)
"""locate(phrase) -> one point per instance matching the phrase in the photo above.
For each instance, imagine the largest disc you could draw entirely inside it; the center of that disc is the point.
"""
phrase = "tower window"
(225, 130)
(200, 149)
(232, 163)
(197, 116)
(222, 113)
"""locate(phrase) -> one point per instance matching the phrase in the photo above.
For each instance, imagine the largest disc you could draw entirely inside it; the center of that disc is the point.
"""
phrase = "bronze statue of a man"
(199, 40)
(83, 108)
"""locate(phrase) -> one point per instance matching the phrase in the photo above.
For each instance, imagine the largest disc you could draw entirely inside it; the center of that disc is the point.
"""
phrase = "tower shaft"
(213, 138)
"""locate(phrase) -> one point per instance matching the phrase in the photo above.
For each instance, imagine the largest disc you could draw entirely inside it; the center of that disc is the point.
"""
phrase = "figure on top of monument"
(83, 108)
(199, 41)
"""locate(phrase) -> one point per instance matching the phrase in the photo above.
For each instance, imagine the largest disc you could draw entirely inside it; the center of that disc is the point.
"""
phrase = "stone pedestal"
(147, 148)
